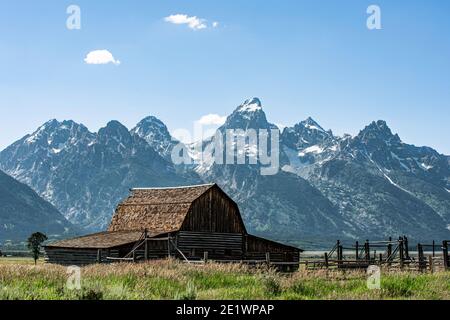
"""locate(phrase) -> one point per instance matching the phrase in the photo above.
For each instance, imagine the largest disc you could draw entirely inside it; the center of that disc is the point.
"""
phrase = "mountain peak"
(311, 124)
(53, 133)
(251, 105)
(151, 120)
(380, 131)
(114, 129)
(305, 134)
(249, 115)
(379, 126)
(156, 134)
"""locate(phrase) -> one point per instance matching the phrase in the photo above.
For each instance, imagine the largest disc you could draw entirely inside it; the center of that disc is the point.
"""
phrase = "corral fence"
(392, 254)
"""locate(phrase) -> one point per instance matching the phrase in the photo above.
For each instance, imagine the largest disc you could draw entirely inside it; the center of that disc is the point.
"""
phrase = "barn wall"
(77, 257)
(256, 248)
(220, 246)
(214, 212)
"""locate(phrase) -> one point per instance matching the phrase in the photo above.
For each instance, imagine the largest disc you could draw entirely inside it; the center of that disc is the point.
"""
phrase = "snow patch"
(253, 107)
(313, 127)
(35, 136)
(426, 167)
(404, 166)
(314, 149)
(387, 177)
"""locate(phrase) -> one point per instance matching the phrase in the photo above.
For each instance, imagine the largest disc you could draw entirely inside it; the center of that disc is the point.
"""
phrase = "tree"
(34, 244)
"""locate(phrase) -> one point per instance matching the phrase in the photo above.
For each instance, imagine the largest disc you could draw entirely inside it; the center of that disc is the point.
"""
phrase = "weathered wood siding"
(218, 245)
(214, 211)
(78, 257)
(256, 249)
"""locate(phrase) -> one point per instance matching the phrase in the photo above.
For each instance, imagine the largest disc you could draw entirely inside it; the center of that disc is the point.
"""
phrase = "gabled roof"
(159, 210)
(102, 240)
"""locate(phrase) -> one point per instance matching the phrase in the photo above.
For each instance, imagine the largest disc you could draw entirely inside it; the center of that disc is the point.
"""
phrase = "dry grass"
(175, 280)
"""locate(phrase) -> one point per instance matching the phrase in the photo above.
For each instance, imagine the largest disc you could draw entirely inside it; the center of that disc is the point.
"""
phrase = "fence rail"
(390, 253)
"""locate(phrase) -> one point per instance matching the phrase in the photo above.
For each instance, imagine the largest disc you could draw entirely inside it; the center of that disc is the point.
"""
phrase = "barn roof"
(102, 240)
(159, 210)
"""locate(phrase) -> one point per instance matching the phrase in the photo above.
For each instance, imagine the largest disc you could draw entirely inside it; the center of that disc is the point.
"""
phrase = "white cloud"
(100, 57)
(193, 22)
(212, 120)
(215, 24)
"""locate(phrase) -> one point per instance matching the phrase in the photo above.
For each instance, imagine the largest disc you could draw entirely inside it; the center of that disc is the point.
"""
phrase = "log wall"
(218, 245)
(78, 257)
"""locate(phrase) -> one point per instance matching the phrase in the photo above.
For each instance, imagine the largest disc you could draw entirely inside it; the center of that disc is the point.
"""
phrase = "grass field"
(20, 279)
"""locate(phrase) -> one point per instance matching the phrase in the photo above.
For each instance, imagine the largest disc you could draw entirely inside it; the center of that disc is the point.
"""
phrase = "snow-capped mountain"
(249, 115)
(379, 184)
(372, 185)
(86, 174)
(282, 205)
(155, 132)
(23, 212)
(306, 134)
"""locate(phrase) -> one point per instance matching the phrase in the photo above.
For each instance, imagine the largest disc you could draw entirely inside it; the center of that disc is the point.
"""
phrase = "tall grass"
(175, 280)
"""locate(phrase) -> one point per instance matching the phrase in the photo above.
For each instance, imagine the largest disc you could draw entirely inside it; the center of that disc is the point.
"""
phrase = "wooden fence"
(390, 254)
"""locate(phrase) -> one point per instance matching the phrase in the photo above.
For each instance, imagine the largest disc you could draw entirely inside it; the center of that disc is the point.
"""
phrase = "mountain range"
(23, 212)
(372, 185)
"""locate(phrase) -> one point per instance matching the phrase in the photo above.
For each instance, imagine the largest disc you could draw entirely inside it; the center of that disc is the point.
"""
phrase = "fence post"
(205, 256)
(434, 249)
(357, 250)
(401, 251)
(168, 246)
(420, 256)
(146, 245)
(389, 250)
(340, 256)
(367, 250)
(406, 247)
(99, 256)
(445, 254)
(268, 258)
(326, 260)
(431, 263)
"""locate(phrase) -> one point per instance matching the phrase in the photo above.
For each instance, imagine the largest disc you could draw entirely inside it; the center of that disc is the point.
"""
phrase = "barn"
(194, 223)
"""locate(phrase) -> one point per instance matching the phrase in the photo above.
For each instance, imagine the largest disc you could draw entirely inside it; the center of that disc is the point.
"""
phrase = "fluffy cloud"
(192, 22)
(100, 57)
(212, 120)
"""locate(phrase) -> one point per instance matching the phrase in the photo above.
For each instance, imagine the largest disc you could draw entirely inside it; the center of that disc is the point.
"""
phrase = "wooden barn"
(195, 223)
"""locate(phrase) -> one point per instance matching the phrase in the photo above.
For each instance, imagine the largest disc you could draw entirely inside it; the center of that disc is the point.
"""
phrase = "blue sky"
(302, 58)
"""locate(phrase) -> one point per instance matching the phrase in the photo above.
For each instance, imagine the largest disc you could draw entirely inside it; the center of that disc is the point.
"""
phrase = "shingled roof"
(102, 240)
(159, 210)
